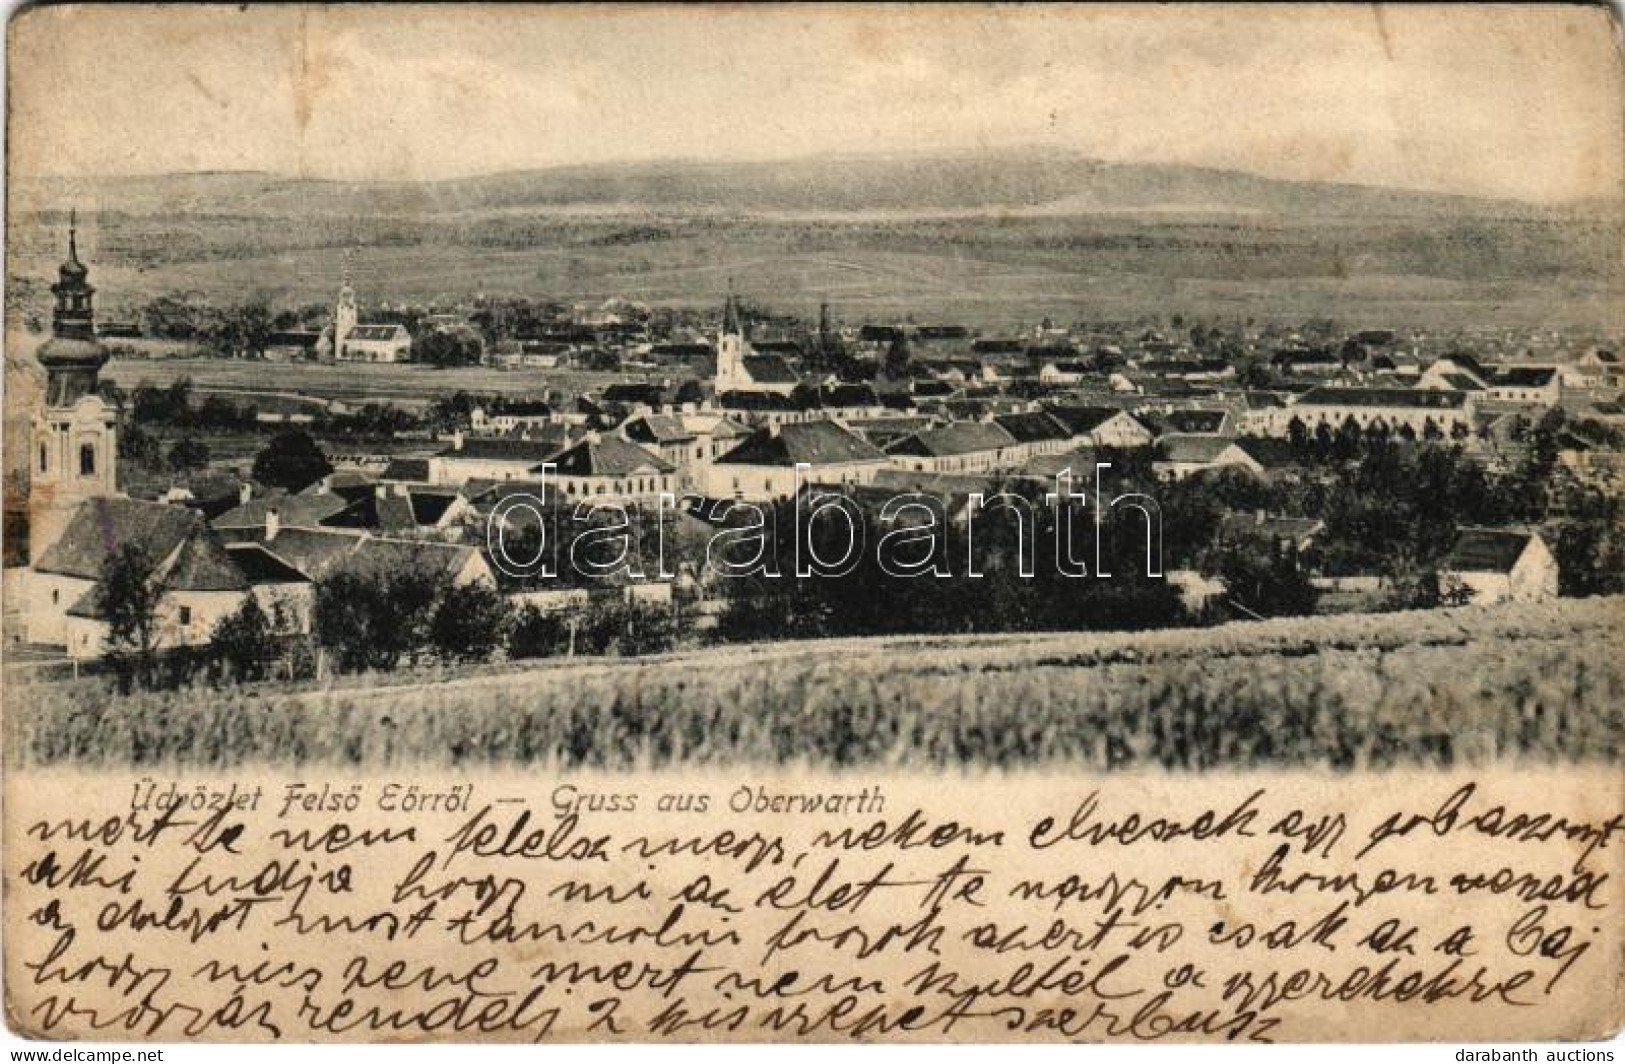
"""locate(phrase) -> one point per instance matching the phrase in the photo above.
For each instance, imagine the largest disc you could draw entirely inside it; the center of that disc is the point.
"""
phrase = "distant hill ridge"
(1023, 181)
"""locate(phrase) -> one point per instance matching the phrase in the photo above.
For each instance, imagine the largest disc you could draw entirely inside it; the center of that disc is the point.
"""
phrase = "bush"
(244, 643)
(469, 623)
(535, 634)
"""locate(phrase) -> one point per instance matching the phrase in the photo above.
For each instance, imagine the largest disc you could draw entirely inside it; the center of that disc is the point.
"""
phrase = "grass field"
(1463, 686)
(989, 271)
(359, 382)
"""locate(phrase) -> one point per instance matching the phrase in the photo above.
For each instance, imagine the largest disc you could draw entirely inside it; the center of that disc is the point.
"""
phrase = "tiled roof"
(376, 332)
(311, 551)
(1206, 422)
(204, 565)
(1486, 550)
(102, 527)
(770, 369)
(1181, 448)
(813, 442)
(375, 557)
(658, 429)
(607, 456)
(960, 437)
(489, 449)
(262, 566)
(292, 510)
(1082, 420)
(416, 469)
(1408, 398)
(1524, 377)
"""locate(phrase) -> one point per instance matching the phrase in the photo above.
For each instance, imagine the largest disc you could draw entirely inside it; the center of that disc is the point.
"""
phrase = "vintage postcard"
(884, 523)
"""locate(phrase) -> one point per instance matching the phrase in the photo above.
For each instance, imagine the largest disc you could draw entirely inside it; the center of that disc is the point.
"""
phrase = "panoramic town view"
(283, 436)
(861, 523)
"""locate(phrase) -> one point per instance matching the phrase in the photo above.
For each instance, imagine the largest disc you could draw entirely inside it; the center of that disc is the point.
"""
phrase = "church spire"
(731, 324)
(72, 357)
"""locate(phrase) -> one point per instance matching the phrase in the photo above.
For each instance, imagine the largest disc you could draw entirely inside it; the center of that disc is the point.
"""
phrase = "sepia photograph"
(893, 523)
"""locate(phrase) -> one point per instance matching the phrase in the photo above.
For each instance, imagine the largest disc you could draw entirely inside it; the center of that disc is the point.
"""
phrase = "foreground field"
(1543, 683)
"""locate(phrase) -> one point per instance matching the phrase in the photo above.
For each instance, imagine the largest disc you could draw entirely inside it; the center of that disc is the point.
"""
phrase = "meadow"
(990, 270)
(1528, 683)
(357, 382)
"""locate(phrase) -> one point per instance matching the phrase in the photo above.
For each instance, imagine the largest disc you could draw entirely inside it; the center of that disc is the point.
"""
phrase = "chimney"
(592, 437)
(245, 493)
(457, 440)
(273, 524)
(1258, 515)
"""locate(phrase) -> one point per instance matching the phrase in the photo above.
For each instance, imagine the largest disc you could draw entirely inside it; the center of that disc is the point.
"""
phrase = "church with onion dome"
(73, 446)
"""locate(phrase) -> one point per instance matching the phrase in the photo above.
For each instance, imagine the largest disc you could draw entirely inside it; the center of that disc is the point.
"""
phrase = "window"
(44, 458)
(56, 596)
(87, 460)
(186, 616)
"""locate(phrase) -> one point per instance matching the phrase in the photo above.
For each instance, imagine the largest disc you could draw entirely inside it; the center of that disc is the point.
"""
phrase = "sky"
(1517, 102)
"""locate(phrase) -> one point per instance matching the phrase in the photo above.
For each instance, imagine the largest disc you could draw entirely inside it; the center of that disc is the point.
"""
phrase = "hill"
(987, 239)
(935, 184)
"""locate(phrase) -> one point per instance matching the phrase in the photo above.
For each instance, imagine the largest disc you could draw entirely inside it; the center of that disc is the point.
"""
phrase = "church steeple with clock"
(74, 450)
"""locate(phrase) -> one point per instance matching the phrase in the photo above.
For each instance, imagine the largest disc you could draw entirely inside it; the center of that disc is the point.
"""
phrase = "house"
(403, 510)
(1597, 368)
(611, 467)
(1190, 422)
(881, 431)
(1035, 432)
(1064, 371)
(1101, 426)
(1179, 456)
(285, 594)
(763, 466)
(510, 415)
(1526, 384)
(494, 458)
(1418, 409)
(201, 579)
(292, 345)
(376, 558)
(1497, 565)
(1299, 533)
(956, 371)
(374, 343)
(844, 401)
(958, 447)
(668, 436)
(1307, 362)
(1464, 366)
(289, 509)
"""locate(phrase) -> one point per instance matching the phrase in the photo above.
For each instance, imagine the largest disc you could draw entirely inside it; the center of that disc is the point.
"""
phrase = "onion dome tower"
(74, 453)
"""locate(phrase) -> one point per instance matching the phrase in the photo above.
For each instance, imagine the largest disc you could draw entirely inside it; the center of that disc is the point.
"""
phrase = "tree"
(1266, 580)
(245, 642)
(445, 349)
(244, 330)
(129, 600)
(535, 634)
(291, 460)
(187, 453)
(374, 620)
(137, 445)
(895, 368)
(469, 622)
